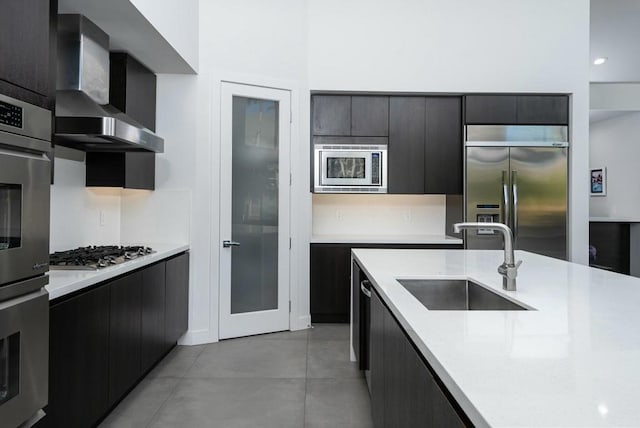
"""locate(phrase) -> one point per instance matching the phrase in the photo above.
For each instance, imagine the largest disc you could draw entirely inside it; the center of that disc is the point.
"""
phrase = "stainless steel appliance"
(350, 168)
(25, 133)
(84, 118)
(517, 175)
(96, 257)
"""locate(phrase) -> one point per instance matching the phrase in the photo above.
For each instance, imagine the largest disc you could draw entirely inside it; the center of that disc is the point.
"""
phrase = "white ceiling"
(615, 34)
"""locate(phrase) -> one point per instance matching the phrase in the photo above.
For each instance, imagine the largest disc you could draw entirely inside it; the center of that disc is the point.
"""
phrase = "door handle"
(514, 186)
(227, 244)
(505, 199)
(364, 288)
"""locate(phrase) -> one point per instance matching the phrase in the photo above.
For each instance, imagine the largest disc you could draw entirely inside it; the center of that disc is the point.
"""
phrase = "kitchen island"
(572, 359)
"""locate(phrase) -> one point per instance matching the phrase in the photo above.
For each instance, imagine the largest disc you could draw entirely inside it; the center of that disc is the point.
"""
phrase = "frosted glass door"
(254, 210)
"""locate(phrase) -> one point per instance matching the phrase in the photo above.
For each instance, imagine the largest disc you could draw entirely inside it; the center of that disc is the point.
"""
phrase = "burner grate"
(96, 257)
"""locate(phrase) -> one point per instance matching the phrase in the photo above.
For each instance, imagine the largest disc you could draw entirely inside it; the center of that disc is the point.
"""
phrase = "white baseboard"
(197, 337)
(300, 323)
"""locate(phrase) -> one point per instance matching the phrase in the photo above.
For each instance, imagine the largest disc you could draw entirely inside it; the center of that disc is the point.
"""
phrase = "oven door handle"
(10, 151)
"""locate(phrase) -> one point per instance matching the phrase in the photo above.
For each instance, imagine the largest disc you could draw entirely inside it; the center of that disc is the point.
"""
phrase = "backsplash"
(81, 216)
(335, 214)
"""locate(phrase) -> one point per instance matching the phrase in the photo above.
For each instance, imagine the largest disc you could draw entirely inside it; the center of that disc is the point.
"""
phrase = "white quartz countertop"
(614, 220)
(572, 362)
(385, 239)
(62, 282)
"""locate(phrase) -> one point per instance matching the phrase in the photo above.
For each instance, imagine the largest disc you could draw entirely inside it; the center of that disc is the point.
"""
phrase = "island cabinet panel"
(124, 334)
(443, 146)
(357, 309)
(78, 361)
(369, 116)
(331, 115)
(177, 298)
(404, 390)
(153, 315)
(26, 46)
(406, 167)
(376, 361)
(524, 109)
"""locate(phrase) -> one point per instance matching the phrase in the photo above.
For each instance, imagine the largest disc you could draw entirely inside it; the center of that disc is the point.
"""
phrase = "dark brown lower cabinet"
(404, 390)
(124, 334)
(78, 360)
(152, 346)
(103, 340)
(177, 299)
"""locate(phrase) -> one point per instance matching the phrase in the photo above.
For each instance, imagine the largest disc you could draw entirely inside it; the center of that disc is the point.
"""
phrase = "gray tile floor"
(289, 379)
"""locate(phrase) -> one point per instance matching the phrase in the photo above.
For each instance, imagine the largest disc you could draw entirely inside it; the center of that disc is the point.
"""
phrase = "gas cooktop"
(95, 257)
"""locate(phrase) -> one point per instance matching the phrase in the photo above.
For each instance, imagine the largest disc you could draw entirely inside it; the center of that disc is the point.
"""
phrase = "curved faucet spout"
(509, 268)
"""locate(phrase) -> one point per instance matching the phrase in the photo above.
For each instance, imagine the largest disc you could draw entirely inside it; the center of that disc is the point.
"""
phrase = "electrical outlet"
(102, 220)
(339, 215)
(406, 216)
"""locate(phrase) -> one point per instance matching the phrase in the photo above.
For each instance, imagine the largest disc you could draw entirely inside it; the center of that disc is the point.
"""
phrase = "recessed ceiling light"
(600, 61)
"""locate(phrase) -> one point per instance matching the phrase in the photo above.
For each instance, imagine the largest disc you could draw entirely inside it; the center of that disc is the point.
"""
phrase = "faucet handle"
(518, 263)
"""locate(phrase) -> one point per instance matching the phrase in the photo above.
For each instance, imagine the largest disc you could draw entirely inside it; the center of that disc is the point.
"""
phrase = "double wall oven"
(25, 175)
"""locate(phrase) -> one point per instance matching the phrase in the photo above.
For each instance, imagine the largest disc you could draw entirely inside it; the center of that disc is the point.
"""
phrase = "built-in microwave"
(350, 168)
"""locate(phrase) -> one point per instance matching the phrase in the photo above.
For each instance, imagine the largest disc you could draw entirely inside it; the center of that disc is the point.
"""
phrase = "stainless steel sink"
(457, 295)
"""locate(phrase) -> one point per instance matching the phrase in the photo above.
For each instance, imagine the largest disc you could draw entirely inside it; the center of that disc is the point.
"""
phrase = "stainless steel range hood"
(84, 119)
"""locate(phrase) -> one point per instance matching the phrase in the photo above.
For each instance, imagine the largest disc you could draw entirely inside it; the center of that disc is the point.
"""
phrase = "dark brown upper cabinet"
(132, 89)
(517, 109)
(369, 116)
(425, 145)
(27, 44)
(406, 167)
(331, 115)
(443, 146)
(543, 109)
(130, 170)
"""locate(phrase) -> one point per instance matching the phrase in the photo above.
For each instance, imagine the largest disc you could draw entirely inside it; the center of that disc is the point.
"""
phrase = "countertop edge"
(377, 239)
(62, 283)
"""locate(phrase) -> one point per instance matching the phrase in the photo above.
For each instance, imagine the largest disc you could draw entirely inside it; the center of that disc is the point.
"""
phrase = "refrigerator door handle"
(514, 187)
(505, 199)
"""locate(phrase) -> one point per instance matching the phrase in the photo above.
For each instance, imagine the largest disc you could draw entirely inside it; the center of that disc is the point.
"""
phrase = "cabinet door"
(376, 360)
(443, 146)
(490, 109)
(330, 285)
(153, 313)
(543, 109)
(177, 294)
(78, 360)
(24, 43)
(369, 116)
(406, 166)
(331, 115)
(124, 334)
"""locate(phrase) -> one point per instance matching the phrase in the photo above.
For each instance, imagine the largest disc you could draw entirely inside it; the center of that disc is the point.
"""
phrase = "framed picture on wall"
(598, 182)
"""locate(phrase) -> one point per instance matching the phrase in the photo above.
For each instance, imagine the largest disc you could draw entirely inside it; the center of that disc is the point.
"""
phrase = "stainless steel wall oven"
(25, 175)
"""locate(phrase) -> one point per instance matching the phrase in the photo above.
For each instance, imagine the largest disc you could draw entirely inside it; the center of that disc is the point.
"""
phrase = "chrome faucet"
(509, 268)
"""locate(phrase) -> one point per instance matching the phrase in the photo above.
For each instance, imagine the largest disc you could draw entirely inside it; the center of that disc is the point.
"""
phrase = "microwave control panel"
(10, 115)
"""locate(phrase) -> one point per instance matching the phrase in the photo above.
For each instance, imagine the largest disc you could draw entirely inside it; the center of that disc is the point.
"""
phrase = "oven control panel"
(10, 115)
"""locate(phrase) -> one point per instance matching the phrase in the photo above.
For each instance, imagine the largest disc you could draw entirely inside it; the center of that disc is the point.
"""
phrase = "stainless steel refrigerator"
(517, 175)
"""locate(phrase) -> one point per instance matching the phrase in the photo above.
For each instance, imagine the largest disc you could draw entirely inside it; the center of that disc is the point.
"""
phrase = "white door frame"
(234, 325)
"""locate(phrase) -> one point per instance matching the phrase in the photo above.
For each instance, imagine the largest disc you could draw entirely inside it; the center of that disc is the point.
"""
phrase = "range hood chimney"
(84, 119)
